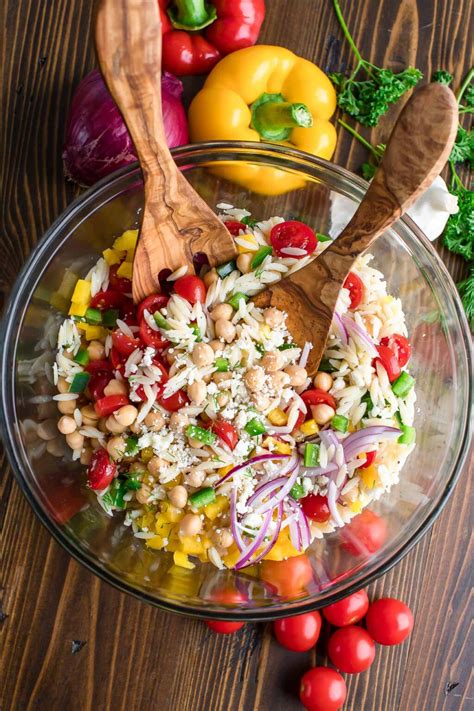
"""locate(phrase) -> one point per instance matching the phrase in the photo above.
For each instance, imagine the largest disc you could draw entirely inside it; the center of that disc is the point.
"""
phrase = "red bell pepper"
(227, 25)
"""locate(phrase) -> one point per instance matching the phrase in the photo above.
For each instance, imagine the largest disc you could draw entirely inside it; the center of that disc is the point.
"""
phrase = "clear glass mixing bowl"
(441, 363)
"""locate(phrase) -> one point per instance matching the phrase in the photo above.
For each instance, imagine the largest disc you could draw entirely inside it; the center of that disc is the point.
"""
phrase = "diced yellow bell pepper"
(283, 548)
(91, 333)
(146, 454)
(125, 270)
(190, 545)
(126, 241)
(130, 255)
(82, 292)
(277, 417)
(157, 543)
(356, 506)
(112, 256)
(232, 556)
(182, 560)
(370, 476)
(309, 428)
(275, 445)
(251, 239)
(146, 521)
(163, 526)
(77, 309)
(59, 302)
(218, 506)
(173, 515)
(224, 470)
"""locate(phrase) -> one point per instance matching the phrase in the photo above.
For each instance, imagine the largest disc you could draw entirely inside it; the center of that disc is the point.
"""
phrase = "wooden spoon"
(177, 223)
(417, 151)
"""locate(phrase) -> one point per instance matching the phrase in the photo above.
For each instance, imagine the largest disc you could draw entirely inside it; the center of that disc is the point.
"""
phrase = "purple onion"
(362, 440)
(274, 538)
(248, 463)
(256, 543)
(340, 328)
(355, 330)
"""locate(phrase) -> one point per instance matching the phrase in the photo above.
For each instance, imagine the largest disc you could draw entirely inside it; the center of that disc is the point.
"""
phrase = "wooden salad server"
(417, 151)
(177, 223)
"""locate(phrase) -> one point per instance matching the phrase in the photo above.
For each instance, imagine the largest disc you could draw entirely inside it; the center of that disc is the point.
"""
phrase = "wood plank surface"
(69, 641)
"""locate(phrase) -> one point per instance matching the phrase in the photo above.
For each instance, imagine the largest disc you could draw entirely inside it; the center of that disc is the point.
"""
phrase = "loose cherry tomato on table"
(366, 533)
(389, 361)
(316, 507)
(101, 470)
(315, 396)
(226, 432)
(224, 627)
(234, 227)
(175, 402)
(322, 689)
(298, 633)
(109, 404)
(293, 234)
(389, 621)
(226, 596)
(191, 288)
(370, 458)
(355, 286)
(117, 282)
(289, 577)
(347, 611)
(150, 337)
(125, 344)
(351, 649)
(399, 345)
(151, 303)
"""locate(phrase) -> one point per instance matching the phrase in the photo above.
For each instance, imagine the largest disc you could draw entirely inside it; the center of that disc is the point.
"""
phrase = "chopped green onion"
(259, 347)
(133, 483)
(114, 495)
(323, 238)
(225, 269)
(311, 454)
(93, 316)
(197, 332)
(403, 384)
(408, 436)
(298, 491)
(202, 497)
(202, 435)
(340, 423)
(259, 256)
(82, 356)
(79, 382)
(236, 299)
(222, 365)
(287, 346)
(110, 317)
(160, 321)
(326, 367)
(131, 446)
(248, 221)
(255, 427)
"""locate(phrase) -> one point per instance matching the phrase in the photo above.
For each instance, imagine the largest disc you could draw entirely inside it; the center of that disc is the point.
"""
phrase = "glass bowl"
(441, 363)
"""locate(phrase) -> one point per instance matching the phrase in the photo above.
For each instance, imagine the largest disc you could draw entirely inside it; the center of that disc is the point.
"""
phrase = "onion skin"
(97, 141)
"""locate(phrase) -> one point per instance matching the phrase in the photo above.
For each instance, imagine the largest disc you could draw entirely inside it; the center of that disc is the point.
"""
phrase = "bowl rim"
(12, 314)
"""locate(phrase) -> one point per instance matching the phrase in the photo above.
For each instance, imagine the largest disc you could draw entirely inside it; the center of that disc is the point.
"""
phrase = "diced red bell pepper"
(109, 404)
(105, 300)
(175, 402)
(226, 432)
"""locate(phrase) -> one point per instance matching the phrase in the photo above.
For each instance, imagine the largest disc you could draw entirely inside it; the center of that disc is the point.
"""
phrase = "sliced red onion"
(295, 533)
(274, 537)
(284, 486)
(255, 544)
(304, 532)
(354, 329)
(340, 328)
(249, 463)
(362, 440)
(305, 354)
(332, 505)
(239, 542)
(328, 437)
(319, 471)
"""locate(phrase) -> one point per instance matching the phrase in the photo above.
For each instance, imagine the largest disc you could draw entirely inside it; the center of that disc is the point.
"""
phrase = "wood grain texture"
(176, 223)
(69, 641)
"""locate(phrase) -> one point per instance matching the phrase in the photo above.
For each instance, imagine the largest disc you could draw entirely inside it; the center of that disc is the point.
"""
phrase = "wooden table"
(70, 641)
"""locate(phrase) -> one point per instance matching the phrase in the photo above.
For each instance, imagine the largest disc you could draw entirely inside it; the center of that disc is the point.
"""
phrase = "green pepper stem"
(273, 116)
(191, 14)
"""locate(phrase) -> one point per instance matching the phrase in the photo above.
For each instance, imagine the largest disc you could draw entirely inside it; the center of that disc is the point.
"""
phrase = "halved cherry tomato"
(234, 227)
(125, 344)
(105, 300)
(101, 470)
(366, 533)
(299, 420)
(150, 337)
(175, 402)
(128, 312)
(289, 577)
(347, 611)
(98, 382)
(94, 366)
(370, 457)
(351, 649)
(316, 507)
(119, 283)
(315, 396)
(160, 385)
(355, 286)
(226, 432)
(191, 288)
(322, 689)
(109, 404)
(293, 233)
(62, 497)
(152, 303)
(224, 627)
(117, 360)
(298, 633)
(399, 345)
(389, 361)
(389, 621)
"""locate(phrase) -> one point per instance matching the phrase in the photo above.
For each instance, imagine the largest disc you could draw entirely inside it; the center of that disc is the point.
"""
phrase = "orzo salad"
(194, 414)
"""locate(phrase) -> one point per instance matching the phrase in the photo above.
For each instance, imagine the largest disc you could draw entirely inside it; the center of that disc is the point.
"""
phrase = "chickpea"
(224, 311)
(75, 440)
(111, 425)
(46, 410)
(273, 361)
(48, 430)
(67, 425)
(178, 421)
(155, 465)
(207, 378)
(195, 443)
(66, 407)
(221, 377)
(323, 381)
(154, 421)
(86, 456)
(197, 392)
(223, 399)
(102, 425)
(273, 317)
(222, 537)
(216, 345)
(255, 378)
(297, 375)
(115, 387)
(195, 478)
(322, 413)
(190, 525)
(126, 416)
(243, 263)
(116, 447)
(225, 329)
(55, 447)
(210, 278)
(63, 385)
(171, 357)
(96, 350)
(279, 380)
(136, 468)
(143, 494)
(261, 401)
(178, 496)
(203, 354)
(89, 415)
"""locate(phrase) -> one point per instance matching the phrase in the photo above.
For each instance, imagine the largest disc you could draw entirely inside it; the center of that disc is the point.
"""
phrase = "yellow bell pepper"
(126, 241)
(277, 417)
(309, 428)
(125, 270)
(77, 309)
(182, 560)
(275, 445)
(112, 256)
(265, 93)
(82, 292)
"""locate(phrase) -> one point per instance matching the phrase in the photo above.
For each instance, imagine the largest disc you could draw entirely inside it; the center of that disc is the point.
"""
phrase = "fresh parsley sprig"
(368, 99)
(466, 291)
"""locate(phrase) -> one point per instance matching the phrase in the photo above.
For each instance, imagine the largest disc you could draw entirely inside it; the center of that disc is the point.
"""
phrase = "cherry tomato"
(150, 337)
(175, 402)
(117, 360)
(117, 282)
(101, 470)
(315, 396)
(63, 501)
(322, 689)
(99, 380)
(128, 312)
(347, 611)
(191, 288)
(293, 234)
(316, 507)
(226, 432)
(351, 649)
(370, 458)
(399, 345)
(289, 577)
(389, 361)
(125, 344)
(299, 421)
(389, 621)
(356, 288)
(234, 227)
(105, 300)
(160, 386)
(224, 627)
(366, 533)
(226, 596)
(298, 633)
(95, 366)
(152, 303)
(109, 404)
